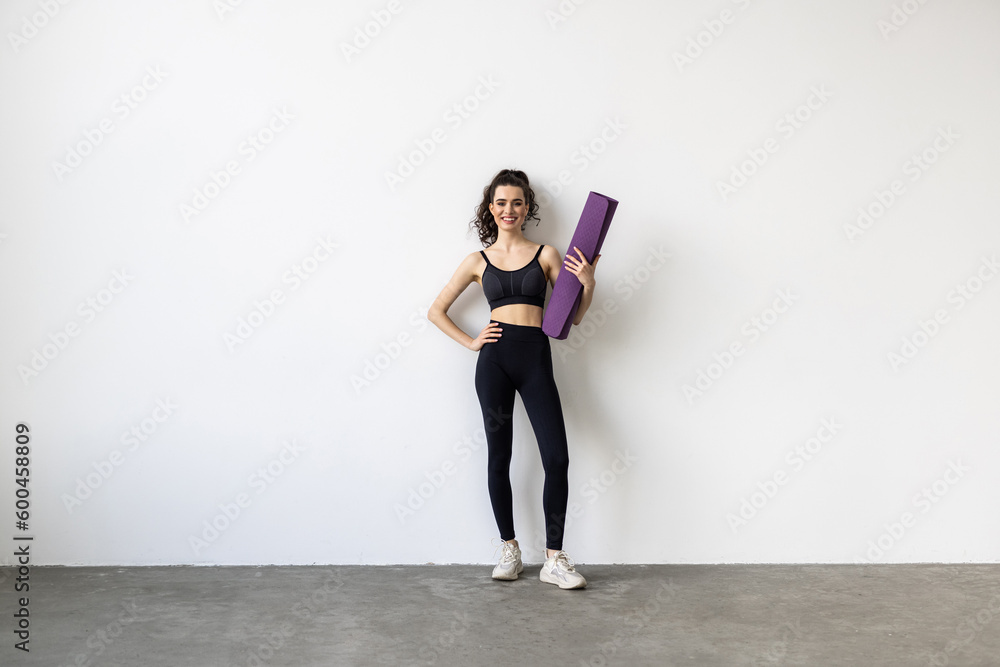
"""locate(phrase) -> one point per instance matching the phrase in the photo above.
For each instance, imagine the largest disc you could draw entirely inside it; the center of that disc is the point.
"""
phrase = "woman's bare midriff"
(522, 314)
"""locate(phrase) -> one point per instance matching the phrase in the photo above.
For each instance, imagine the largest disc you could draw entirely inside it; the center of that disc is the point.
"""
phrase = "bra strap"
(483, 253)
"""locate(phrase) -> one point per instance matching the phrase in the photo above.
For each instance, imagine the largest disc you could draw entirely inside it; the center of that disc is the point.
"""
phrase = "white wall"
(658, 473)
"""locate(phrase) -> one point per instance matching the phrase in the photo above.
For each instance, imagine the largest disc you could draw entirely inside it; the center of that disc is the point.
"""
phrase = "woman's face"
(508, 207)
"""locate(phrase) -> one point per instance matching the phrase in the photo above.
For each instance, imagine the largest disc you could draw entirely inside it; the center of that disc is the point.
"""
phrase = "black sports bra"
(526, 285)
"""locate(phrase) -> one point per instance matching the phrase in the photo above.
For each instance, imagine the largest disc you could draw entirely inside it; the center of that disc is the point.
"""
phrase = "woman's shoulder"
(549, 260)
(474, 264)
(549, 252)
(473, 257)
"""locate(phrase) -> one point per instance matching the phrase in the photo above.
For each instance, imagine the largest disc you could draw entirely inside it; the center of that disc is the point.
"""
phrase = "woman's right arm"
(438, 312)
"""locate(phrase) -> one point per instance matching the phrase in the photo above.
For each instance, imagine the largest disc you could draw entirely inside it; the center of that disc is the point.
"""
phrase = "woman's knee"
(498, 464)
(555, 463)
(498, 459)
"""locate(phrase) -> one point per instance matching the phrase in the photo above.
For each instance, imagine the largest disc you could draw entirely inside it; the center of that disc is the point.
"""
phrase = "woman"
(514, 355)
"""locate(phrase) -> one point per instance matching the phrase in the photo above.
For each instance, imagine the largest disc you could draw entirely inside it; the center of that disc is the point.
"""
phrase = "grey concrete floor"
(457, 615)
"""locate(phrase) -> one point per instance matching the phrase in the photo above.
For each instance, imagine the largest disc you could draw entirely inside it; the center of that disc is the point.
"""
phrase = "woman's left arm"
(584, 272)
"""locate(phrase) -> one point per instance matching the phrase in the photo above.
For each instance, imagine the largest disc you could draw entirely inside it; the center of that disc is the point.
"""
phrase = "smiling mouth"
(509, 219)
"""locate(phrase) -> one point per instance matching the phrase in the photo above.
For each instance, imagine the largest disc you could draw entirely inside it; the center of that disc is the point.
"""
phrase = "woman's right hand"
(489, 334)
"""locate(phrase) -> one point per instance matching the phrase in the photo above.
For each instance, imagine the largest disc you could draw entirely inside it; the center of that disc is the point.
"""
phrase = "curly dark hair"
(484, 222)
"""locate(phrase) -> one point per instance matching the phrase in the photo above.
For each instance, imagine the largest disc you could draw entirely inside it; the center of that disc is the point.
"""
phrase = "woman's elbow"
(435, 313)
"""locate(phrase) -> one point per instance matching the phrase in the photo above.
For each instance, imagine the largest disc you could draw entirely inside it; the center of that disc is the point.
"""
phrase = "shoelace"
(562, 558)
(508, 555)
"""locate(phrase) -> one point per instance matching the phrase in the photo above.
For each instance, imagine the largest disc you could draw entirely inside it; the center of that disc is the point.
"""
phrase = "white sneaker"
(510, 563)
(559, 571)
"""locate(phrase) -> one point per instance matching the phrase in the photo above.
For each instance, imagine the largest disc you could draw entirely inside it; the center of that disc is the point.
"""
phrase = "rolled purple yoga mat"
(588, 237)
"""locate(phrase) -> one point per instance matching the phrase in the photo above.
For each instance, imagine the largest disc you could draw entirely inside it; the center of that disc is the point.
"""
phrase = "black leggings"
(521, 360)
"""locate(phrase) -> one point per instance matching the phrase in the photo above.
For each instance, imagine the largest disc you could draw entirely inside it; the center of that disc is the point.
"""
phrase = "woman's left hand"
(581, 268)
